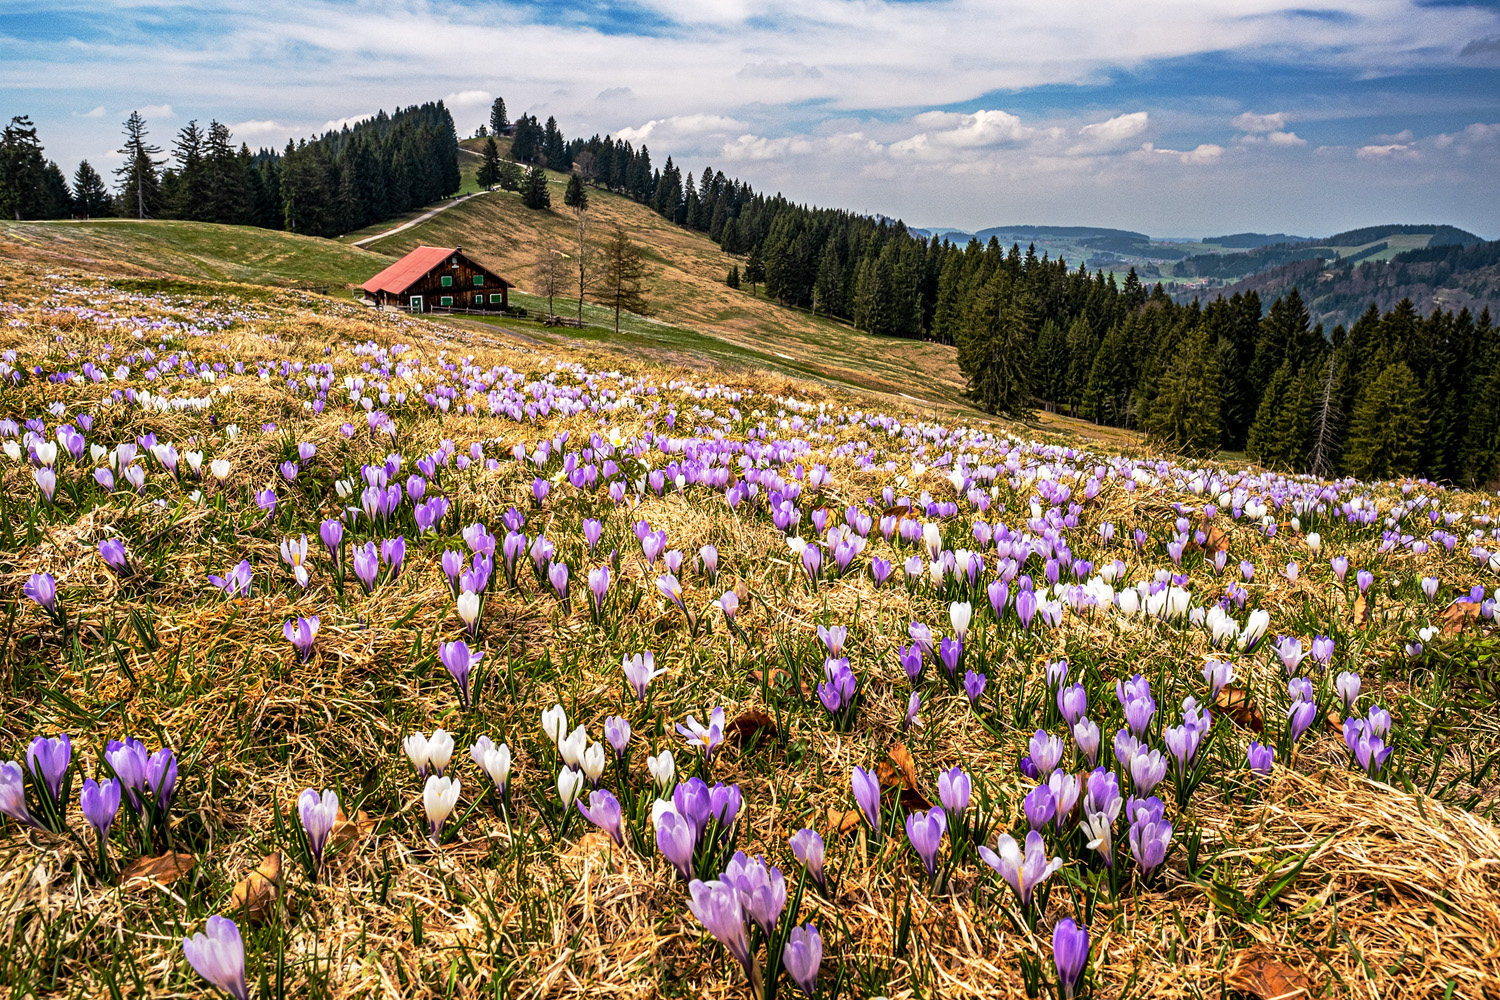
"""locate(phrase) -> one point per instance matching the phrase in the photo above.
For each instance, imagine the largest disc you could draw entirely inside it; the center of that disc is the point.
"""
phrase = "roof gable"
(405, 272)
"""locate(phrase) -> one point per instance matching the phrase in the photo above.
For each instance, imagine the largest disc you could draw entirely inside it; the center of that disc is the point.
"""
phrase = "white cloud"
(154, 111)
(96, 113)
(1285, 139)
(1393, 150)
(1204, 153)
(1252, 122)
(775, 69)
(681, 127)
(259, 129)
(1116, 129)
(469, 99)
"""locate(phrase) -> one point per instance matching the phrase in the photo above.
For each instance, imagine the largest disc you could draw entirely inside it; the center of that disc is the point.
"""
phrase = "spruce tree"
(575, 197)
(534, 193)
(1385, 438)
(498, 121)
(140, 185)
(22, 171)
(1185, 415)
(57, 200)
(755, 269)
(1261, 440)
(623, 275)
(733, 278)
(489, 171)
(994, 352)
(90, 197)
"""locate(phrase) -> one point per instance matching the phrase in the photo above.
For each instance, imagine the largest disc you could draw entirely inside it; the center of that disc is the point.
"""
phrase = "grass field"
(560, 501)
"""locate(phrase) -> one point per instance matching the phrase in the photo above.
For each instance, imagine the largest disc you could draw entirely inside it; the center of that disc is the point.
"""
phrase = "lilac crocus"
(617, 733)
(1039, 807)
(1363, 579)
(319, 813)
(675, 838)
(161, 777)
(1150, 836)
(42, 588)
(393, 554)
(803, 956)
(1024, 873)
(913, 704)
(218, 955)
(13, 793)
(112, 551)
(866, 786)
(717, 907)
(47, 760)
(705, 738)
(762, 889)
(1260, 757)
(925, 832)
(1322, 651)
(954, 790)
(640, 670)
(598, 587)
(603, 811)
(807, 847)
(950, 654)
(1346, 686)
(1072, 703)
(460, 661)
(973, 686)
(1300, 718)
(100, 800)
(332, 533)
(1026, 607)
(301, 632)
(911, 660)
(367, 565)
(1070, 954)
(557, 575)
(1046, 752)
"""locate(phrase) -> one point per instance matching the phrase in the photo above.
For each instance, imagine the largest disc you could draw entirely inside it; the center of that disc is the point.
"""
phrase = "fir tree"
(994, 351)
(140, 185)
(575, 197)
(185, 190)
(489, 171)
(90, 197)
(755, 270)
(1385, 438)
(57, 200)
(534, 193)
(511, 177)
(1185, 415)
(22, 171)
(623, 274)
(498, 121)
(1260, 444)
(733, 278)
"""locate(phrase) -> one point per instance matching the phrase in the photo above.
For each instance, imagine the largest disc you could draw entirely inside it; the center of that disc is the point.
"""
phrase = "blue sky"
(1173, 117)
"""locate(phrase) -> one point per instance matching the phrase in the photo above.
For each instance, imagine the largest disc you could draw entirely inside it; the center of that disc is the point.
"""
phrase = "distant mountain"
(1249, 241)
(1452, 276)
(1351, 246)
(1073, 233)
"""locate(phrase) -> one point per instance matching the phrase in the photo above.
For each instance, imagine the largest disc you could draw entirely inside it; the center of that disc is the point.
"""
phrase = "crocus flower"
(494, 761)
(925, 831)
(973, 686)
(1070, 953)
(429, 755)
(717, 907)
(617, 732)
(235, 583)
(807, 847)
(1023, 873)
(367, 565)
(1363, 579)
(1046, 752)
(13, 793)
(663, 770)
(569, 786)
(598, 586)
(100, 800)
(705, 738)
(603, 811)
(112, 551)
(833, 639)
(1300, 717)
(47, 760)
(1219, 675)
(572, 747)
(555, 723)
(557, 575)
(867, 795)
(1322, 651)
(954, 790)
(1039, 807)
(1149, 840)
(218, 955)
(1260, 757)
(762, 889)
(42, 588)
(301, 632)
(1086, 737)
(439, 797)
(950, 654)
(675, 839)
(960, 614)
(802, 957)
(460, 662)
(911, 660)
(1346, 686)
(1072, 703)
(318, 813)
(913, 704)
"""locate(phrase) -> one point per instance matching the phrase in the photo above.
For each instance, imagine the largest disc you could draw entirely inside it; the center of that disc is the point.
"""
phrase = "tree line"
(335, 183)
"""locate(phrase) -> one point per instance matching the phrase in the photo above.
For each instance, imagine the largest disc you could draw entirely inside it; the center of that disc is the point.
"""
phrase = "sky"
(1177, 118)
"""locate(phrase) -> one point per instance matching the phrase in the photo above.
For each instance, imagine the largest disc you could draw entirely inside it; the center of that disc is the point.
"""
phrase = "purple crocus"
(867, 795)
(161, 777)
(807, 847)
(460, 661)
(973, 686)
(1363, 579)
(1322, 651)
(367, 565)
(640, 670)
(218, 955)
(803, 956)
(47, 760)
(1300, 718)
(1150, 836)
(318, 813)
(676, 838)
(1026, 607)
(1072, 703)
(1024, 873)
(598, 587)
(112, 551)
(925, 831)
(1070, 953)
(717, 907)
(617, 733)
(100, 800)
(911, 660)
(42, 588)
(950, 653)
(913, 704)
(13, 793)
(301, 632)
(557, 575)
(762, 889)
(603, 811)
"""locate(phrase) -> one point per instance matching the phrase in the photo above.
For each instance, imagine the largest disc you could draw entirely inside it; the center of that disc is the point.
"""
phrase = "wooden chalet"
(437, 278)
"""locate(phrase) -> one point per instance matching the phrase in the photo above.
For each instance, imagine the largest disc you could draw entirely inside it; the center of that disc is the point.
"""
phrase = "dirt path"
(418, 220)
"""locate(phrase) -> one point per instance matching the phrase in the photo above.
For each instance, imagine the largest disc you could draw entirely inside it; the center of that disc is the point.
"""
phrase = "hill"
(1449, 276)
(1248, 241)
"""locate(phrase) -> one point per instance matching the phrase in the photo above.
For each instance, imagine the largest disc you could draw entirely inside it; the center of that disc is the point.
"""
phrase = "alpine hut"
(440, 278)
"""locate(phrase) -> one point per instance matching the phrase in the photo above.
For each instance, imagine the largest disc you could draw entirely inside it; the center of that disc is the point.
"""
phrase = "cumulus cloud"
(96, 113)
(1116, 129)
(681, 127)
(469, 99)
(1204, 153)
(259, 129)
(1389, 151)
(154, 111)
(1249, 121)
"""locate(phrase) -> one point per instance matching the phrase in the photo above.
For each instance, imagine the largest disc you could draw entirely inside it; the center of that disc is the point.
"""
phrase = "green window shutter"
(478, 279)
(447, 281)
(446, 300)
(496, 298)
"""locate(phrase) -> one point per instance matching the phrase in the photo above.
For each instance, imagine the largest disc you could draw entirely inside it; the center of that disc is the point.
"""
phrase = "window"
(445, 300)
(496, 299)
(478, 279)
(447, 281)
(479, 298)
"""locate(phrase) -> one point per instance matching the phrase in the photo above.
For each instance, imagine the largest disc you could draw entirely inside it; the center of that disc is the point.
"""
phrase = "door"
(416, 303)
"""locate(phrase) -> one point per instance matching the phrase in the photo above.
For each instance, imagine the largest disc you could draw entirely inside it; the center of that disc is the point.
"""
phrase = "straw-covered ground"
(1347, 626)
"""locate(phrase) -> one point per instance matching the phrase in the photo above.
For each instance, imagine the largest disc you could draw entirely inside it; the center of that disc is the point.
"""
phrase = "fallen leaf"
(1361, 611)
(900, 510)
(900, 773)
(1265, 976)
(1217, 539)
(144, 873)
(778, 676)
(748, 725)
(1456, 616)
(844, 820)
(901, 757)
(346, 832)
(255, 894)
(1241, 708)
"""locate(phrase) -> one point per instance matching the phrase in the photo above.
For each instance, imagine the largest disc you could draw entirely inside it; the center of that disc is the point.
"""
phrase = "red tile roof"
(404, 273)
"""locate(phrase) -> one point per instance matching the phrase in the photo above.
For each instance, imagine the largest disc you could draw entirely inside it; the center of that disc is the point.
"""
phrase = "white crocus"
(440, 750)
(1255, 627)
(468, 607)
(220, 468)
(555, 723)
(663, 770)
(440, 797)
(960, 614)
(569, 785)
(932, 537)
(1129, 601)
(593, 762)
(1314, 542)
(572, 746)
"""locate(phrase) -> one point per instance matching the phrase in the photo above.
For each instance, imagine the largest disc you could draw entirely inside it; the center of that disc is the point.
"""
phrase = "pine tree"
(733, 278)
(90, 197)
(623, 274)
(755, 269)
(994, 352)
(498, 121)
(510, 177)
(1260, 444)
(22, 171)
(57, 200)
(1185, 415)
(489, 170)
(534, 193)
(185, 190)
(575, 197)
(140, 185)
(1385, 438)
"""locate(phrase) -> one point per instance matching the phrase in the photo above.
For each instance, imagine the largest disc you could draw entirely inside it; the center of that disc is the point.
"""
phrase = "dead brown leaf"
(1361, 611)
(1264, 975)
(747, 725)
(843, 820)
(255, 894)
(900, 773)
(144, 873)
(1456, 616)
(1217, 539)
(1241, 708)
(347, 832)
